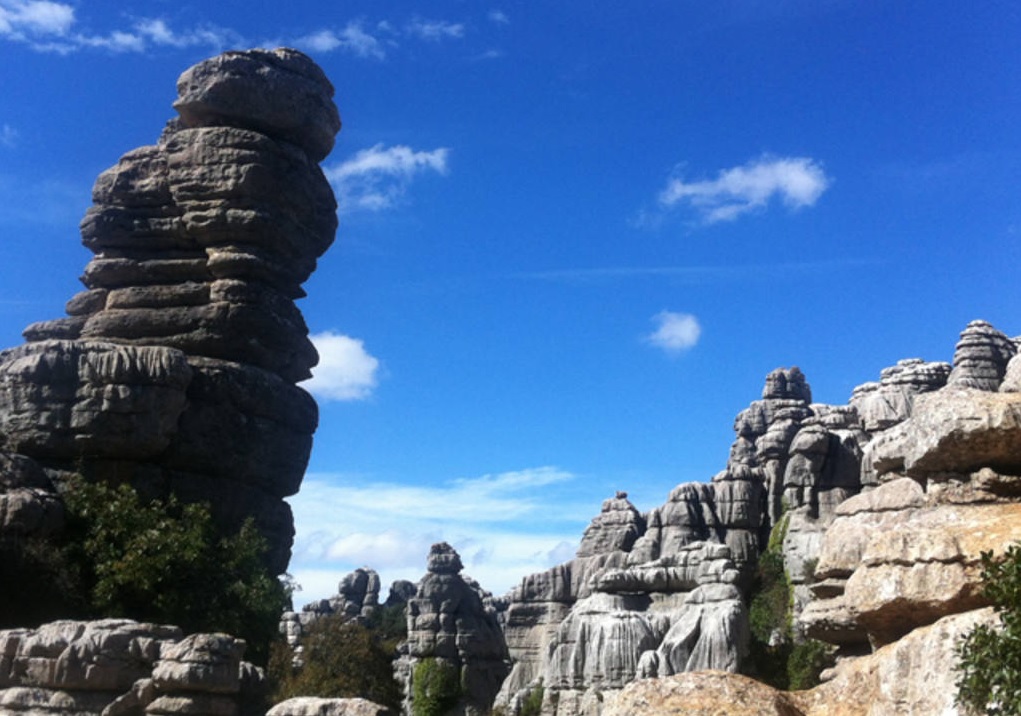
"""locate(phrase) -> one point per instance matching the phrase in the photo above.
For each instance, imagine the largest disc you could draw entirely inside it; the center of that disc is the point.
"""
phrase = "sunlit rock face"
(118, 666)
(175, 368)
(453, 622)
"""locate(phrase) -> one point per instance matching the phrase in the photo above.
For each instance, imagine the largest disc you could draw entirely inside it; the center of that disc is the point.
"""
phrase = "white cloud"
(346, 371)
(49, 27)
(499, 17)
(675, 332)
(27, 19)
(435, 30)
(504, 526)
(377, 178)
(353, 39)
(796, 181)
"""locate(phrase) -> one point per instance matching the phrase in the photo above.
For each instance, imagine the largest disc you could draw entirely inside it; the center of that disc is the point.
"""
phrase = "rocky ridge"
(882, 506)
(175, 368)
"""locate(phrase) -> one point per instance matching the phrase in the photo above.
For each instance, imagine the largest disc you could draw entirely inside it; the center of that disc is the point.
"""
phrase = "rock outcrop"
(175, 368)
(453, 624)
(118, 667)
(882, 509)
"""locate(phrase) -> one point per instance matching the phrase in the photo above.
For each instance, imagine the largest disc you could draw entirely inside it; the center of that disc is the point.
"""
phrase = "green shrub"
(531, 705)
(163, 561)
(989, 659)
(436, 687)
(805, 662)
(774, 657)
(390, 622)
(342, 659)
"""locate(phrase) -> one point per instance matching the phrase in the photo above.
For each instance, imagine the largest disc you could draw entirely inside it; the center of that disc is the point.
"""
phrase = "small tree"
(341, 659)
(163, 561)
(436, 687)
(989, 659)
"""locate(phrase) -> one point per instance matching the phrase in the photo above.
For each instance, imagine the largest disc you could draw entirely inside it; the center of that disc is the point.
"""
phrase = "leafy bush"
(989, 659)
(805, 662)
(436, 687)
(390, 622)
(163, 561)
(774, 656)
(531, 705)
(342, 659)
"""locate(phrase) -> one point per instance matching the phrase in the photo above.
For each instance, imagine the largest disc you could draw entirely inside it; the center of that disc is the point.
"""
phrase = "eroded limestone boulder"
(119, 667)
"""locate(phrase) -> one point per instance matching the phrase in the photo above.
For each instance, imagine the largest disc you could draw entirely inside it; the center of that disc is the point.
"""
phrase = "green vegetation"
(989, 659)
(342, 659)
(158, 561)
(436, 687)
(774, 657)
(532, 704)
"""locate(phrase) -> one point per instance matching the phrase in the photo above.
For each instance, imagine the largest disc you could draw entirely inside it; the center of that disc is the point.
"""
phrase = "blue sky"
(574, 236)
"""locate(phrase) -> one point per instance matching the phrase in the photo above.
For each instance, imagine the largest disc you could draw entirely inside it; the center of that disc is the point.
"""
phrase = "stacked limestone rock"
(176, 367)
(626, 608)
(452, 620)
(118, 666)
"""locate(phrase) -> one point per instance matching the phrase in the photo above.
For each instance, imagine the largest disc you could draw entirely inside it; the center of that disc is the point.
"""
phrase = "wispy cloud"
(346, 371)
(24, 20)
(434, 30)
(504, 525)
(353, 38)
(49, 26)
(675, 332)
(377, 178)
(499, 17)
(8, 136)
(796, 182)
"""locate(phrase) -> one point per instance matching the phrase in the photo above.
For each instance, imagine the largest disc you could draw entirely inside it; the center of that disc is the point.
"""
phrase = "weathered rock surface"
(887, 504)
(981, 357)
(117, 667)
(703, 693)
(912, 677)
(314, 706)
(451, 619)
(175, 368)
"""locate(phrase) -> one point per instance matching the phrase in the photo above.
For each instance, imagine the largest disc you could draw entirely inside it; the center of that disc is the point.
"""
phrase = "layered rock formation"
(175, 368)
(883, 507)
(120, 667)
(662, 593)
(453, 624)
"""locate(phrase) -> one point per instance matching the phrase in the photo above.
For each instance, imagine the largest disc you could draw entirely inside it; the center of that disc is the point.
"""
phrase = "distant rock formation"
(452, 622)
(357, 598)
(120, 667)
(175, 369)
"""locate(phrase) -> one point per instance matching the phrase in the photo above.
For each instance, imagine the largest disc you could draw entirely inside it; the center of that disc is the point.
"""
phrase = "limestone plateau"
(175, 368)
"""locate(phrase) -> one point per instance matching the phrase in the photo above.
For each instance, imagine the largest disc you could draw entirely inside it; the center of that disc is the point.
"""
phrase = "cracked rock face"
(119, 666)
(176, 366)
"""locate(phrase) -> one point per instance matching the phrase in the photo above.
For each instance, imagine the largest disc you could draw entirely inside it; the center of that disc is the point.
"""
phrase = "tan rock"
(962, 430)
(914, 676)
(313, 706)
(702, 693)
